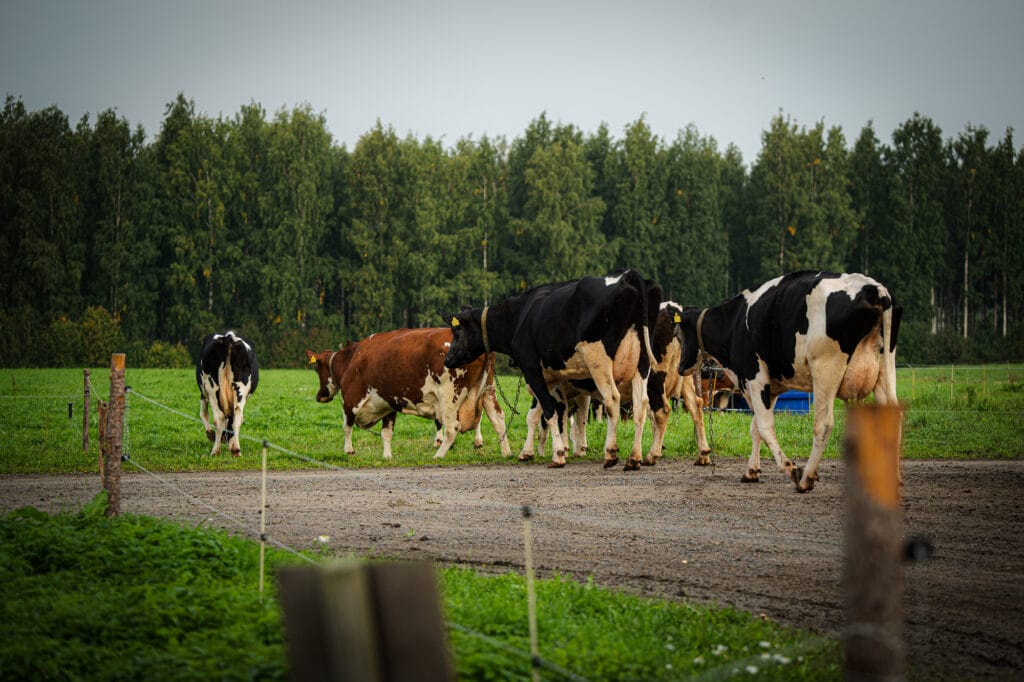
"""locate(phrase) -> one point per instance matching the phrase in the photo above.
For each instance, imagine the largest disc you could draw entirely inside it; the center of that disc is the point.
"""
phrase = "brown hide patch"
(399, 365)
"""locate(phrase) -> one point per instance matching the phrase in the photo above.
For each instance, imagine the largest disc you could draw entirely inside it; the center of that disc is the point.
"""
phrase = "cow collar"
(483, 329)
(700, 322)
(330, 368)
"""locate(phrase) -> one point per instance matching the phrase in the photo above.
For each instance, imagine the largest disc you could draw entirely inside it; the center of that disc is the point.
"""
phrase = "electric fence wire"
(553, 667)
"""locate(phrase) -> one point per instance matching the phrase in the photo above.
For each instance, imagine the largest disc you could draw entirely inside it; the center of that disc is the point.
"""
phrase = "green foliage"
(606, 635)
(264, 224)
(83, 596)
(86, 597)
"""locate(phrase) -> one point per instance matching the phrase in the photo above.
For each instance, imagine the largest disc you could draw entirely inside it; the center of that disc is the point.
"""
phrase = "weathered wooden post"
(101, 433)
(85, 412)
(115, 429)
(354, 620)
(873, 636)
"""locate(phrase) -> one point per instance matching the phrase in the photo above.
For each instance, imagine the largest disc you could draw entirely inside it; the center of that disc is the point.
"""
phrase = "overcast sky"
(462, 68)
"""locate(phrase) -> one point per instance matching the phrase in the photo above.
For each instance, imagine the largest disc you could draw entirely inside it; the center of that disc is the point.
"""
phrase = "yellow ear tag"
(677, 319)
(312, 359)
(455, 322)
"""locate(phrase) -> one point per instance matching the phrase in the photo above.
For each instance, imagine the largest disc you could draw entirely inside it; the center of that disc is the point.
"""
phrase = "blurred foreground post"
(873, 636)
(354, 620)
(115, 428)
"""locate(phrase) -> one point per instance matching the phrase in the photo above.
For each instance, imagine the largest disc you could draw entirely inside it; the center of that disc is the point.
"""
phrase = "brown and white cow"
(227, 374)
(664, 385)
(833, 334)
(402, 371)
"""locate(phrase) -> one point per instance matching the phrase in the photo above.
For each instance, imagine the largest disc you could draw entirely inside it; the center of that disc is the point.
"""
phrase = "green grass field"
(958, 412)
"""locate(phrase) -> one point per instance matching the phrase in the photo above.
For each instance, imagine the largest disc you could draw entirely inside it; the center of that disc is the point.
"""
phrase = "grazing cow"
(824, 332)
(664, 385)
(227, 374)
(668, 383)
(403, 371)
(594, 328)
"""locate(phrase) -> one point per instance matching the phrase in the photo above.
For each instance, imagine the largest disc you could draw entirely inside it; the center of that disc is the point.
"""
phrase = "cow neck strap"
(700, 323)
(483, 329)
(330, 367)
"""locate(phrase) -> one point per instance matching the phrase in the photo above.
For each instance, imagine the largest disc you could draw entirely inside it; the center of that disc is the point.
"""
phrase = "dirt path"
(672, 531)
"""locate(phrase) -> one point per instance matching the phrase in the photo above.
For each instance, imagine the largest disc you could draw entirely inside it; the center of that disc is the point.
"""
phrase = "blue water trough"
(794, 402)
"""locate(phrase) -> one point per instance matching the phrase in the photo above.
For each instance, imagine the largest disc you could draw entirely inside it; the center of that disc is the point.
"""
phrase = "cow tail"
(649, 347)
(637, 280)
(890, 322)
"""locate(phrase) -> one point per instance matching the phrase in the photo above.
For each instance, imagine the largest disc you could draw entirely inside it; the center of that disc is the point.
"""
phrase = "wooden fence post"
(115, 428)
(873, 636)
(353, 620)
(85, 411)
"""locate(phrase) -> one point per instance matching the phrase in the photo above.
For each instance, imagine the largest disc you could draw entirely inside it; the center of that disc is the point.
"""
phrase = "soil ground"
(673, 531)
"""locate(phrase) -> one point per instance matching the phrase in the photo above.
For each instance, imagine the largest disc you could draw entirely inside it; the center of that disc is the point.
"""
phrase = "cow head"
(467, 339)
(322, 363)
(686, 332)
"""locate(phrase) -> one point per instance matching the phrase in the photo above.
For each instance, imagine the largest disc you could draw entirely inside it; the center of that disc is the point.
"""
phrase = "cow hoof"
(649, 461)
(477, 446)
(556, 465)
(751, 477)
(210, 435)
(523, 457)
(609, 463)
(632, 465)
(236, 453)
(703, 460)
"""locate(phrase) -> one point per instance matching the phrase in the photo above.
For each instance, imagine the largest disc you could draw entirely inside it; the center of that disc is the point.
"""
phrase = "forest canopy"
(113, 240)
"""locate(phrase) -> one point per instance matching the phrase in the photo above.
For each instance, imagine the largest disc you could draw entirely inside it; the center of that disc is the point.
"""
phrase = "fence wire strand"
(240, 525)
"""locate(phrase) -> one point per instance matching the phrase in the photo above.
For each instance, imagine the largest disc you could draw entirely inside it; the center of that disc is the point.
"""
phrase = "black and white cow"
(227, 374)
(664, 385)
(595, 328)
(833, 334)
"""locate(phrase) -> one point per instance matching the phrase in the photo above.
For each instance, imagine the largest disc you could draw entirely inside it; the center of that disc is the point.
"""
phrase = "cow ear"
(311, 356)
(447, 319)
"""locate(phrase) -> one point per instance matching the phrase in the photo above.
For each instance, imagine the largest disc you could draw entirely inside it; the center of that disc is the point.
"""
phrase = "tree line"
(265, 225)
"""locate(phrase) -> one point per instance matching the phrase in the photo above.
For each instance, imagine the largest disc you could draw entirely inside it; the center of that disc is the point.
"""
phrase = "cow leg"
(764, 424)
(695, 407)
(578, 433)
(387, 430)
(497, 419)
(558, 438)
(553, 409)
(533, 424)
(826, 375)
(753, 473)
(612, 409)
(641, 404)
(236, 426)
(349, 419)
(204, 414)
(219, 427)
(659, 425)
(601, 373)
(450, 427)
(824, 422)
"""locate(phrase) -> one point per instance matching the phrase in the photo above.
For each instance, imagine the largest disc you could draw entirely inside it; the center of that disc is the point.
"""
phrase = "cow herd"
(609, 341)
